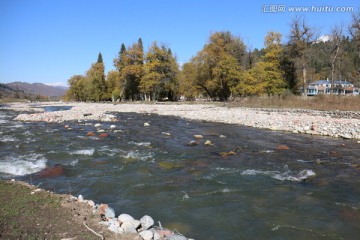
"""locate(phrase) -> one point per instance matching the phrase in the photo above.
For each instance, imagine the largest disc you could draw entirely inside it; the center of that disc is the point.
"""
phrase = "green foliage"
(224, 68)
(131, 70)
(160, 79)
(216, 69)
(91, 87)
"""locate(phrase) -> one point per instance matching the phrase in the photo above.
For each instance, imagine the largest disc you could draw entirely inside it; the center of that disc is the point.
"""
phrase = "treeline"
(225, 67)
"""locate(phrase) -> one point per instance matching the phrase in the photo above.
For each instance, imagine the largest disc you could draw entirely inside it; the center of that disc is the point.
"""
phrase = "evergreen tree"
(131, 71)
(100, 59)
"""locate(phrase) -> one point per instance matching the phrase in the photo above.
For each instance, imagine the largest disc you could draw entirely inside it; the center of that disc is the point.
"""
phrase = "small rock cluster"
(125, 223)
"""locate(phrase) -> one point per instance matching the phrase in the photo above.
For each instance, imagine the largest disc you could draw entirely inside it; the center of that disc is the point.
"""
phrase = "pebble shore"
(336, 124)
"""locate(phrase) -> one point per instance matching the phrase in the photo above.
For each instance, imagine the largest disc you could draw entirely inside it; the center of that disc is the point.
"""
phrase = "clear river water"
(249, 184)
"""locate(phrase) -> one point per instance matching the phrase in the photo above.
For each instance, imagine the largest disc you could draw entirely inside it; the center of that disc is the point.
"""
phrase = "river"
(248, 184)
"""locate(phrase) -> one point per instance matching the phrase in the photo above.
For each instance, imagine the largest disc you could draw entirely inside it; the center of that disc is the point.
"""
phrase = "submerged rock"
(208, 143)
(55, 171)
(90, 134)
(97, 125)
(146, 124)
(192, 143)
(198, 136)
(282, 147)
(226, 154)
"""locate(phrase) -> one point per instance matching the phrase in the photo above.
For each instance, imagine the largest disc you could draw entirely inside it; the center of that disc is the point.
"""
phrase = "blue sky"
(49, 41)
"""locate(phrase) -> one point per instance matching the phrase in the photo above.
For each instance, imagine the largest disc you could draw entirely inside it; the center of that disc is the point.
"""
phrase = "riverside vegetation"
(225, 68)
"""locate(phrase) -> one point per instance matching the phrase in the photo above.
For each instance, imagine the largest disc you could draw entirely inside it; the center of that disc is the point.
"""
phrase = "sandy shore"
(326, 123)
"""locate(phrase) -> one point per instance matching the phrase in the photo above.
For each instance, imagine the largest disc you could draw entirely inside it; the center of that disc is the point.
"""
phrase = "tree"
(335, 51)
(301, 38)
(218, 65)
(76, 88)
(274, 79)
(113, 85)
(96, 86)
(131, 70)
(160, 74)
(100, 59)
(119, 65)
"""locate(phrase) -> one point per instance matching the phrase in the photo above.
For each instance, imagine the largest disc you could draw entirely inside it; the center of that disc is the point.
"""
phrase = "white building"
(324, 87)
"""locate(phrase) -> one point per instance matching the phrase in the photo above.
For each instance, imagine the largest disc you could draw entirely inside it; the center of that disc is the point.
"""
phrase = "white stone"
(176, 237)
(115, 229)
(222, 136)
(146, 235)
(130, 226)
(306, 128)
(146, 124)
(113, 126)
(109, 212)
(146, 222)
(198, 136)
(80, 198)
(97, 125)
(208, 142)
(156, 236)
(125, 217)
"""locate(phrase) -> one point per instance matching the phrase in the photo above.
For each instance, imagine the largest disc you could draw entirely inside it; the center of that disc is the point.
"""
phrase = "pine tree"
(100, 59)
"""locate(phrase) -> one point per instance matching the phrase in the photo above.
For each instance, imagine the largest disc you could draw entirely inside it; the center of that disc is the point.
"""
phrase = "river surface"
(246, 185)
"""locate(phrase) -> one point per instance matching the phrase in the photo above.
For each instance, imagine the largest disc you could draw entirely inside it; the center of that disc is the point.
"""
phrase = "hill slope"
(37, 89)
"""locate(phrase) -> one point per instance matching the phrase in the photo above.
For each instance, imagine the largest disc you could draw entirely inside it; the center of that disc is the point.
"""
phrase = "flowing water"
(241, 187)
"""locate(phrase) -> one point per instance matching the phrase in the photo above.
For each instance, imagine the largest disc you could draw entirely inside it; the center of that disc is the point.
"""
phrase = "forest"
(225, 68)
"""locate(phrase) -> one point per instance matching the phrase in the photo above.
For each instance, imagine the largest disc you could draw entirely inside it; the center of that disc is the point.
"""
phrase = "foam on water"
(282, 176)
(74, 162)
(8, 139)
(145, 144)
(87, 152)
(139, 155)
(23, 165)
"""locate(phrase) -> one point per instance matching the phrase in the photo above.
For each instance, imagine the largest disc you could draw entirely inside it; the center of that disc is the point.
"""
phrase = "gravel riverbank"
(326, 123)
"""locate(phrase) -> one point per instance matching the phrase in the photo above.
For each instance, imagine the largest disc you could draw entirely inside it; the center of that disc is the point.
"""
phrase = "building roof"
(336, 82)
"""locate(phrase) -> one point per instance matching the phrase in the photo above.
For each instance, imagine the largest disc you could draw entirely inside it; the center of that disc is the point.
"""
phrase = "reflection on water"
(245, 185)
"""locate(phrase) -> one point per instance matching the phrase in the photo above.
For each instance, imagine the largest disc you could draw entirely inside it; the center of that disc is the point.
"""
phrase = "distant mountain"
(37, 89)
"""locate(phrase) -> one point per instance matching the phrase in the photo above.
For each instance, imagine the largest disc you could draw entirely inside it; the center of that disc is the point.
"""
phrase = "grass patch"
(319, 102)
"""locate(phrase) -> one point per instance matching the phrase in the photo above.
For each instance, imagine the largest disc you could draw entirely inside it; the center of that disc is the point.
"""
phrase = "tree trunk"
(304, 79)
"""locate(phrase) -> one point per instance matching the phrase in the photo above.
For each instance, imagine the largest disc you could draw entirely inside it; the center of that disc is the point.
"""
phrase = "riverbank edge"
(65, 218)
(335, 124)
(87, 219)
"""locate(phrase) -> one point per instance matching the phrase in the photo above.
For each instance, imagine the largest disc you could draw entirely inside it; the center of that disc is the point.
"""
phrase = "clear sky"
(49, 41)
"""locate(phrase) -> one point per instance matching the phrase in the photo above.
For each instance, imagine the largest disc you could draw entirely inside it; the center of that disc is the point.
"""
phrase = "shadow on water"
(246, 184)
